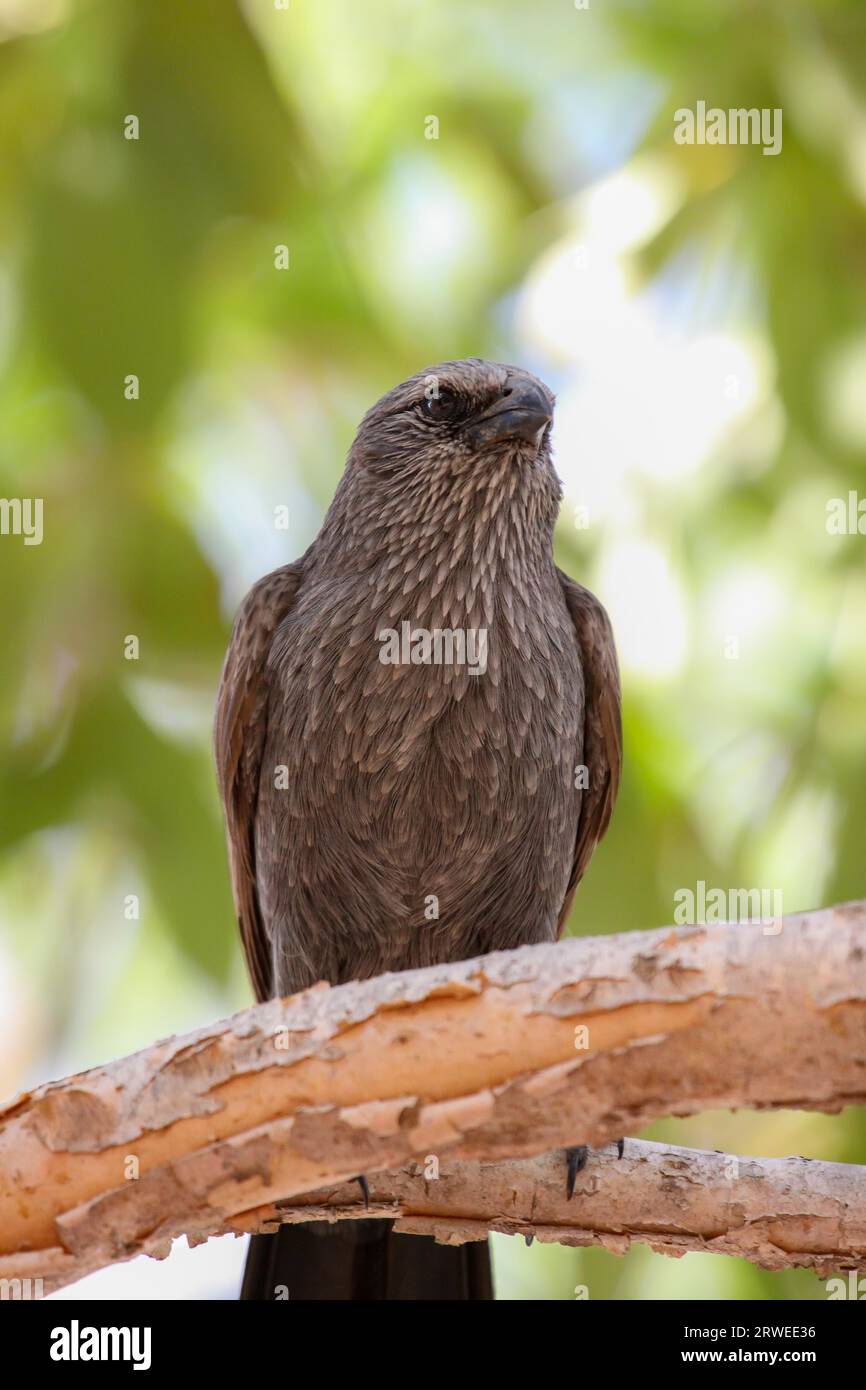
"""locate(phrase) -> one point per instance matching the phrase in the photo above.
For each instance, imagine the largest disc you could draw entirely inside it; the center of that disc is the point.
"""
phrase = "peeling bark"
(506, 1056)
(778, 1213)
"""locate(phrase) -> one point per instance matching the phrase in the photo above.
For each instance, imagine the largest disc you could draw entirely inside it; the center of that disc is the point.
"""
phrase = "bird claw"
(576, 1161)
(365, 1188)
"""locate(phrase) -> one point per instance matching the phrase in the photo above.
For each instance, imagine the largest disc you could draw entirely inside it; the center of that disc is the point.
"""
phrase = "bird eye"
(444, 405)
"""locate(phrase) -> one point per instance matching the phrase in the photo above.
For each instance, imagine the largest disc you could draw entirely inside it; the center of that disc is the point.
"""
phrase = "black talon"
(365, 1188)
(529, 1240)
(620, 1148)
(576, 1160)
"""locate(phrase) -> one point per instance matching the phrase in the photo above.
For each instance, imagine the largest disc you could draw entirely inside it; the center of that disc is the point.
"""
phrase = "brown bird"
(418, 745)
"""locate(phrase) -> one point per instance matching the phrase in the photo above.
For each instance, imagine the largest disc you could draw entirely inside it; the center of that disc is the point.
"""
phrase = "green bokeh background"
(306, 126)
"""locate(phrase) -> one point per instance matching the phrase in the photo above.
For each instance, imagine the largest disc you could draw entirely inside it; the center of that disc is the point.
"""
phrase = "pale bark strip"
(475, 1060)
(779, 1213)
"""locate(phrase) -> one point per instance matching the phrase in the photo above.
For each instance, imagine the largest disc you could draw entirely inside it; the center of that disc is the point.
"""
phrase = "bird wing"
(602, 734)
(239, 740)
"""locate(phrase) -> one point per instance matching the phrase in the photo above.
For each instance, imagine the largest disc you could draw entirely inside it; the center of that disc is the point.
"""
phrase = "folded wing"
(602, 737)
(239, 741)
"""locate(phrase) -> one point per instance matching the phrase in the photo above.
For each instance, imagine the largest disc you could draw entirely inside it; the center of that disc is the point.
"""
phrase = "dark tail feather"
(362, 1260)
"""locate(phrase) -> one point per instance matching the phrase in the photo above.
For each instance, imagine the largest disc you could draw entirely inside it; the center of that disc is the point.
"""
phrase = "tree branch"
(505, 1056)
(780, 1213)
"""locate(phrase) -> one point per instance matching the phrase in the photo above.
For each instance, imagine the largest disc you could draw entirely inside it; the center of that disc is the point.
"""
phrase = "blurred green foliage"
(305, 127)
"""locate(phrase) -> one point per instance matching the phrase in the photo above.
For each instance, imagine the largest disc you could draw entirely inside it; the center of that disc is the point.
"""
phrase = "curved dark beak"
(523, 411)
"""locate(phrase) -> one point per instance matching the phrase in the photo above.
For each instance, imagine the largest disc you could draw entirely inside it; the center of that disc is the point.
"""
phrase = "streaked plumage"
(410, 781)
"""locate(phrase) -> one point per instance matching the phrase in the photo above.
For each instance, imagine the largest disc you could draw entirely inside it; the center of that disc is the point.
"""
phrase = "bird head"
(454, 419)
